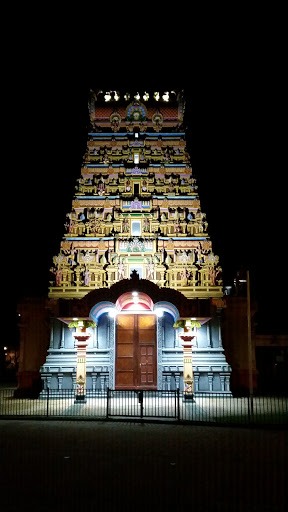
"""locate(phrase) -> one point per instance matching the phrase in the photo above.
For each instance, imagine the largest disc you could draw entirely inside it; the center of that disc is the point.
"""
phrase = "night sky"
(234, 151)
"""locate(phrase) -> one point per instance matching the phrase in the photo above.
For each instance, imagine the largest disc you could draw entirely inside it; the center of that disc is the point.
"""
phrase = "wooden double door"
(136, 351)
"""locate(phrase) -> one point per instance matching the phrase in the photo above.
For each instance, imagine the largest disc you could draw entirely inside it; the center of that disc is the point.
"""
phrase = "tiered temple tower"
(136, 240)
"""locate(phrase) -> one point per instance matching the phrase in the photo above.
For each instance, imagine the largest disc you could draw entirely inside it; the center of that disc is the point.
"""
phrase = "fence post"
(178, 403)
(250, 408)
(47, 411)
(107, 404)
(140, 398)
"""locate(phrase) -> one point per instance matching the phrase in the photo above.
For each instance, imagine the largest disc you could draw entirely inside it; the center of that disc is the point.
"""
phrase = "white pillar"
(81, 343)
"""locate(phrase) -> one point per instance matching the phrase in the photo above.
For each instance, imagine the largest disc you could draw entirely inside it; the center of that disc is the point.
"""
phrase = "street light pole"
(250, 358)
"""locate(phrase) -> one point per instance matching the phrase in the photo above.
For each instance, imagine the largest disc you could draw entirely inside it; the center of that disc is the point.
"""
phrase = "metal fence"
(214, 408)
(53, 404)
(223, 409)
(143, 403)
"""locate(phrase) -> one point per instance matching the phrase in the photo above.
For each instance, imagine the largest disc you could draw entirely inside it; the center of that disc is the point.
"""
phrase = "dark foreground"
(98, 466)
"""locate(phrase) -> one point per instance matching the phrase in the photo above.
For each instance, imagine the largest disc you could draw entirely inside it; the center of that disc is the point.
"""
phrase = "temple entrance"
(136, 352)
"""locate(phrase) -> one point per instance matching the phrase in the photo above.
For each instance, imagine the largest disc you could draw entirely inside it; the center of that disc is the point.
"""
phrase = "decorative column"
(60, 380)
(208, 335)
(222, 382)
(62, 336)
(94, 381)
(102, 382)
(187, 338)
(81, 337)
(196, 381)
(48, 379)
(81, 344)
(187, 366)
(210, 380)
(177, 381)
(168, 382)
(95, 337)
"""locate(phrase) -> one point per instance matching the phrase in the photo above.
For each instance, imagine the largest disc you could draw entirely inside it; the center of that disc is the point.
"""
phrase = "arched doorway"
(136, 342)
(133, 333)
(136, 352)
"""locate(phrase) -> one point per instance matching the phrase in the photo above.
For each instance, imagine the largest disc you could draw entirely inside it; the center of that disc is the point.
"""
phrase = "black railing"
(143, 403)
(213, 408)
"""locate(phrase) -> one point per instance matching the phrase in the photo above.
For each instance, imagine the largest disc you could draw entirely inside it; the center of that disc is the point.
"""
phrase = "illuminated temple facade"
(136, 257)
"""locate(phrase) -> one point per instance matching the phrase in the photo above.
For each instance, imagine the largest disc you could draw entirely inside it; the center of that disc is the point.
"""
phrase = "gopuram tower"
(136, 266)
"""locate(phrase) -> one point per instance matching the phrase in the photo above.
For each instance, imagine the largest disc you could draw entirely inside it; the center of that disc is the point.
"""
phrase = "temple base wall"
(210, 368)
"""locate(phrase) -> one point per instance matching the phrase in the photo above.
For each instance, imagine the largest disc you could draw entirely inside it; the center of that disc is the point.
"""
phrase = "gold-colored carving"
(89, 262)
(170, 245)
(65, 246)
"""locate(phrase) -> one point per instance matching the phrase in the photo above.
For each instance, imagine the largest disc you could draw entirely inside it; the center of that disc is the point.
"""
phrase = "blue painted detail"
(173, 135)
(167, 165)
(136, 108)
(87, 239)
(150, 134)
(103, 165)
(97, 165)
(100, 308)
(174, 197)
(97, 197)
(182, 238)
(104, 134)
(82, 238)
(169, 307)
(181, 197)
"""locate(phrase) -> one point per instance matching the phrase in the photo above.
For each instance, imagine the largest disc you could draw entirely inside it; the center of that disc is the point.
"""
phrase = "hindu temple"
(135, 295)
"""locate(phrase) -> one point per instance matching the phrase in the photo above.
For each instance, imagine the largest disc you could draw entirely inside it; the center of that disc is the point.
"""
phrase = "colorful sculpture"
(136, 221)
(160, 193)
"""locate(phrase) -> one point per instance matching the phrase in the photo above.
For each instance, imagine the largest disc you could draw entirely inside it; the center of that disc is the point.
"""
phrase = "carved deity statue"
(146, 225)
(125, 225)
(150, 269)
(213, 273)
(184, 257)
(58, 275)
(184, 277)
(177, 227)
(121, 270)
(86, 277)
(101, 187)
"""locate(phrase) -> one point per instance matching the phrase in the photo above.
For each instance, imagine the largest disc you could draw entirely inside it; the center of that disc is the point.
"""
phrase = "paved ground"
(98, 466)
